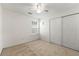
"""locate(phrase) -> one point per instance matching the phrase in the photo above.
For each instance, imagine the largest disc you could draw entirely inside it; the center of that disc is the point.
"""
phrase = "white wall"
(0, 29)
(17, 28)
(44, 29)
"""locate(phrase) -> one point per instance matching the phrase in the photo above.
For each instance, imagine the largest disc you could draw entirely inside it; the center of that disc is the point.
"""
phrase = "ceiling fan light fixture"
(38, 11)
(39, 7)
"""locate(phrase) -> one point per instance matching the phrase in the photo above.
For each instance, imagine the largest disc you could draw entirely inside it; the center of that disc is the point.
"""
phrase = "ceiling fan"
(38, 7)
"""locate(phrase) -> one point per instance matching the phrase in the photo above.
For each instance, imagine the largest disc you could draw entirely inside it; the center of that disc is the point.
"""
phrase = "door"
(55, 31)
(44, 29)
(69, 31)
(77, 33)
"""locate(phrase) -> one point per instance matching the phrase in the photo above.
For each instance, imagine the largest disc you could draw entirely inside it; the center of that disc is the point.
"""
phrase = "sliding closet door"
(77, 32)
(69, 31)
(55, 30)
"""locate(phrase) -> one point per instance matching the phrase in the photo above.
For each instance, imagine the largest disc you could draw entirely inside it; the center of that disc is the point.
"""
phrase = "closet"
(65, 31)
(71, 31)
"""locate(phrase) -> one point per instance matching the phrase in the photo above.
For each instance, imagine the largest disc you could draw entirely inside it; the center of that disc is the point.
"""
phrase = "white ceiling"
(53, 8)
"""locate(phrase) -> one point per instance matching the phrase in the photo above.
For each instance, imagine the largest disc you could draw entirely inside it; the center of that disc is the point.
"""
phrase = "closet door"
(69, 31)
(55, 30)
(77, 32)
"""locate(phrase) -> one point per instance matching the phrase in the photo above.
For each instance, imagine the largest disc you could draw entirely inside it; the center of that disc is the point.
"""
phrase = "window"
(34, 26)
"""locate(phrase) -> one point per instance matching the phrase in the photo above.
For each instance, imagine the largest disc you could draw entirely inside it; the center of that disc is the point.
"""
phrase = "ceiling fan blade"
(46, 10)
(30, 13)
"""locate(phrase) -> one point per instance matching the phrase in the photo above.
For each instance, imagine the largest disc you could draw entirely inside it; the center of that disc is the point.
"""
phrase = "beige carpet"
(38, 48)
